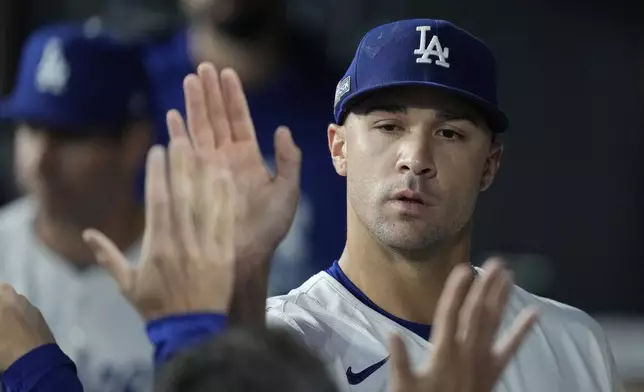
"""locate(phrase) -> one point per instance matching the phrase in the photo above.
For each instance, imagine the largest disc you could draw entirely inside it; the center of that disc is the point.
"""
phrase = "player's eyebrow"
(454, 115)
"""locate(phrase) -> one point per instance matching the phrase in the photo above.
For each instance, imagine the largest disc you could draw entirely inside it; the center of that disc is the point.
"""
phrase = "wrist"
(161, 315)
(248, 305)
(256, 255)
(253, 267)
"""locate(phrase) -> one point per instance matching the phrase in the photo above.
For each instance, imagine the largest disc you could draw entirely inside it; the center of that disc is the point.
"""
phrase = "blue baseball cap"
(75, 75)
(423, 52)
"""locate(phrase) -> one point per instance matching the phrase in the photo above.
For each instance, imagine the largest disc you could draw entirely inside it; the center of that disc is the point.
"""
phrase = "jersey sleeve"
(44, 369)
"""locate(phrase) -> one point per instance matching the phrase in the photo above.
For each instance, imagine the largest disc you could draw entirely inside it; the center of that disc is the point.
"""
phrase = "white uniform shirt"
(92, 322)
(566, 351)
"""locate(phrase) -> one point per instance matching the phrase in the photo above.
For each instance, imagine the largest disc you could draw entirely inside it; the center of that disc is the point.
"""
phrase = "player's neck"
(123, 225)
(206, 43)
(408, 289)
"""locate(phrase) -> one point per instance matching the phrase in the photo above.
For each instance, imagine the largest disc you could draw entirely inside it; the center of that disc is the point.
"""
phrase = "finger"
(473, 313)
(199, 125)
(181, 172)
(449, 304)
(401, 373)
(215, 102)
(220, 234)
(176, 125)
(510, 343)
(237, 107)
(7, 291)
(157, 199)
(109, 256)
(288, 157)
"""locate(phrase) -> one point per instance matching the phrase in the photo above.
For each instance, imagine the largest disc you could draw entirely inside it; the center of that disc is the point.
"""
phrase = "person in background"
(82, 132)
(287, 81)
(247, 360)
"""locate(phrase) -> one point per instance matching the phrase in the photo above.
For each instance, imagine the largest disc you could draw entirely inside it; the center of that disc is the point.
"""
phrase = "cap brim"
(12, 110)
(495, 118)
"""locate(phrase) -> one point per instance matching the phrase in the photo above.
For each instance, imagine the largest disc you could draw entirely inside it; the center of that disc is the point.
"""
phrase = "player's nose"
(416, 156)
(417, 167)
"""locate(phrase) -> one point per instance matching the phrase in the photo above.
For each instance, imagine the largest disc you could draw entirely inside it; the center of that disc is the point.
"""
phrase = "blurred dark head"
(245, 360)
(77, 177)
(82, 128)
(240, 18)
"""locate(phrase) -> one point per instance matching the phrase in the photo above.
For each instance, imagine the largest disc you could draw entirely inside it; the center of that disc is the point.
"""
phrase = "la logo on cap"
(53, 71)
(434, 48)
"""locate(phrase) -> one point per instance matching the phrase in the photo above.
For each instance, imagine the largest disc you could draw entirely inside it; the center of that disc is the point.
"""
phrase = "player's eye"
(449, 134)
(387, 127)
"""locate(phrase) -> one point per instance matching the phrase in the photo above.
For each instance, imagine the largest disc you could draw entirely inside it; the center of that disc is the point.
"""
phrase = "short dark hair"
(246, 360)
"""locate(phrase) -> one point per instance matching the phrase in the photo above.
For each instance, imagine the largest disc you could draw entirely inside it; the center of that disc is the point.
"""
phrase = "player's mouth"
(409, 196)
(409, 202)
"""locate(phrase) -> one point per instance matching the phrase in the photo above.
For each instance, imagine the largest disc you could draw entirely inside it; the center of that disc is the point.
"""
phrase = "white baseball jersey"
(92, 322)
(565, 352)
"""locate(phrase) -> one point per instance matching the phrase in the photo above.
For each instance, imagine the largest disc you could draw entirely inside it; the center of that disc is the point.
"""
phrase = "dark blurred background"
(568, 207)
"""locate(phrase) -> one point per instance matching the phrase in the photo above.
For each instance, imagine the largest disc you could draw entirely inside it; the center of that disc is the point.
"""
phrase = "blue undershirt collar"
(422, 330)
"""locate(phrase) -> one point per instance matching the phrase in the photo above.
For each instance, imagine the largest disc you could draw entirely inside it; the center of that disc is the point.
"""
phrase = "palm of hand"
(265, 206)
(467, 356)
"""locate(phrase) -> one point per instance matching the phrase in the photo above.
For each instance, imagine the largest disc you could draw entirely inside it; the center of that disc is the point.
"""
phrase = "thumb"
(288, 160)
(110, 257)
(401, 374)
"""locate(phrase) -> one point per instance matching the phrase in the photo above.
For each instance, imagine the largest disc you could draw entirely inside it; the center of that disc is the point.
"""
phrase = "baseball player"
(416, 136)
(82, 132)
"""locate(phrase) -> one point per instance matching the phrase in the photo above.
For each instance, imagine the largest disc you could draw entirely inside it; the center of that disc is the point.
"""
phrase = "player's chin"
(409, 244)
(411, 235)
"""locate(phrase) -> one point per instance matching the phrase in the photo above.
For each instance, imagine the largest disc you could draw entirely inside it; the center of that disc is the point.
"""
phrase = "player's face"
(73, 178)
(415, 160)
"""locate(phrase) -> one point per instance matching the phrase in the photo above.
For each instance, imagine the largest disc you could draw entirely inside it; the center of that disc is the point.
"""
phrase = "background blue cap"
(423, 52)
(76, 75)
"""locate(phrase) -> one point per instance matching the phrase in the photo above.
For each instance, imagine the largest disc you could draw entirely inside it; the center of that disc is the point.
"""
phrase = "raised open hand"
(220, 128)
(466, 357)
(188, 257)
(220, 125)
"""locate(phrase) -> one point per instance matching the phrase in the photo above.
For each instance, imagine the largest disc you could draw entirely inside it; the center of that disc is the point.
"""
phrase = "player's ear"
(492, 163)
(337, 147)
